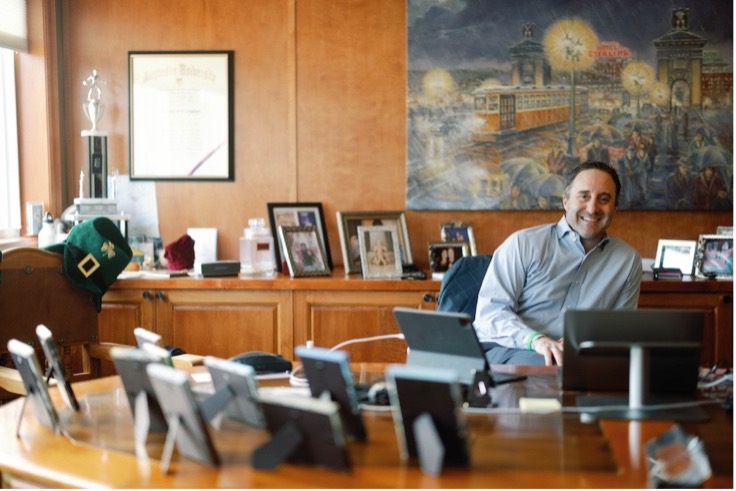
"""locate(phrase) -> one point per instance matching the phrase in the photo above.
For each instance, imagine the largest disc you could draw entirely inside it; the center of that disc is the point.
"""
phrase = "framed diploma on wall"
(181, 115)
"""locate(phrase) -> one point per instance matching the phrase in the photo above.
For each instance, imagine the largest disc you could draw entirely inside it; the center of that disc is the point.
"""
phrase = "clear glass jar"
(256, 249)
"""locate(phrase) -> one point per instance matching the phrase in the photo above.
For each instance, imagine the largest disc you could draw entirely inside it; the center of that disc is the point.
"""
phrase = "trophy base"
(94, 133)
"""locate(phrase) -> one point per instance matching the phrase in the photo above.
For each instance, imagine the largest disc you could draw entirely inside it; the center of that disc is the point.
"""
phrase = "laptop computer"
(446, 340)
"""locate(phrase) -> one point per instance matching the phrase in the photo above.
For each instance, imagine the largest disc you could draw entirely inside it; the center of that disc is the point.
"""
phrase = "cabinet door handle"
(428, 297)
(146, 295)
(160, 296)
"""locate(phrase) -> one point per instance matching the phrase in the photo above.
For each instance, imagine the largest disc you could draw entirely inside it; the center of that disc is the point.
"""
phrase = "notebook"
(445, 340)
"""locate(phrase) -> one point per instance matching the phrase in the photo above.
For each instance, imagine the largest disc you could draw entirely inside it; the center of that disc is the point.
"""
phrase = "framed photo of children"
(297, 215)
(458, 232)
(714, 256)
(348, 223)
(379, 251)
(442, 255)
(305, 255)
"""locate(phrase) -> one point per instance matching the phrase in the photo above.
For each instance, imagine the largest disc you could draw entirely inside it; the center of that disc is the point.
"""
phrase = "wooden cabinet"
(227, 316)
(218, 322)
(712, 296)
(329, 318)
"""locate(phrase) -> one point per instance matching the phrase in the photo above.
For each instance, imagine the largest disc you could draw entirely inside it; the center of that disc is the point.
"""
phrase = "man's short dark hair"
(592, 164)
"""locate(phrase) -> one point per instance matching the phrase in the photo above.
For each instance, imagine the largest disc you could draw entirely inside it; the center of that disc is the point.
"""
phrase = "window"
(9, 180)
(13, 36)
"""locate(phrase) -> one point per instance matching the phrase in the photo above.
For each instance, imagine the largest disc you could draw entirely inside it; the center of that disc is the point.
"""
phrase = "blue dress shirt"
(539, 272)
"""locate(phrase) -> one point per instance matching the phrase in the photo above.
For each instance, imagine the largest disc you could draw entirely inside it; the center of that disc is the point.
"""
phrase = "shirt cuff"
(530, 339)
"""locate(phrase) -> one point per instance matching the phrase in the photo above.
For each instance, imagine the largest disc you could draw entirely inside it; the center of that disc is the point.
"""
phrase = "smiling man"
(539, 272)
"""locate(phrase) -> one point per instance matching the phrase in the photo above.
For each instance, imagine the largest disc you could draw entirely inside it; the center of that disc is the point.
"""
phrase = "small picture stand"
(479, 393)
(236, 392)
(143, 336)
(187, 426)
(303, 430)
(56, 367)
(426, 406)
(148, 417)
(329, 376)
(26, 362)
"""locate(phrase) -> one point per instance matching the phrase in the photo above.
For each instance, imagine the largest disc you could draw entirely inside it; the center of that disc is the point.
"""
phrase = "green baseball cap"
(95, 253)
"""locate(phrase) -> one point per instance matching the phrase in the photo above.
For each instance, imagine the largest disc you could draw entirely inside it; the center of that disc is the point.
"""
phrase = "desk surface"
(508, 450)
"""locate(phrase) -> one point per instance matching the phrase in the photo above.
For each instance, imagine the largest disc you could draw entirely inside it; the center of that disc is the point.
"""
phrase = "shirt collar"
(563, 229)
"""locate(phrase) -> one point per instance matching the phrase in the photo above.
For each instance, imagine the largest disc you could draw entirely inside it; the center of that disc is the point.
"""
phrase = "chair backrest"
(34, 290)
(461, 284)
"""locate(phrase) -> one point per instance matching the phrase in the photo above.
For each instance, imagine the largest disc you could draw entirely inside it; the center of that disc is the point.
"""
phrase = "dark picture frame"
(457, 232)
(301, 215)
(714, 256)
(442, 255)
(305, 254)
(181, 115)
(348, 222)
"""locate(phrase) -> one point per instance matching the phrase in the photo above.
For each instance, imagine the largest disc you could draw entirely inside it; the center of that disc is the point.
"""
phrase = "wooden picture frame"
(348, 222)
(305, 254)
(442, 255)
(458, 232)
(181, 115)
(380, 255)
(297, 215)
(678, 254)
(714, 256)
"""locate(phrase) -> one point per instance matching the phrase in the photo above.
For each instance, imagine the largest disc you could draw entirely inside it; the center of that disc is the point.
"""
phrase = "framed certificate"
(181, 115)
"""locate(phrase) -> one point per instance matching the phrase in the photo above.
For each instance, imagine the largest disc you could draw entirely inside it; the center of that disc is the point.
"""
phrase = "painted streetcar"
(501, 111)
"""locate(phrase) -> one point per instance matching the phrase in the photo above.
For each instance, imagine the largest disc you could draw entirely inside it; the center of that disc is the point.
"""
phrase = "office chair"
(33, 291)
(461, 284)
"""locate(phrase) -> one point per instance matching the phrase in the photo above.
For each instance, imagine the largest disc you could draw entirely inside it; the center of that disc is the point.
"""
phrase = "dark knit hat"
(180, 253)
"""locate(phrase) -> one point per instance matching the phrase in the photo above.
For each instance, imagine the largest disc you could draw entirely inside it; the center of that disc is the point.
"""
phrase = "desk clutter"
(429, 407)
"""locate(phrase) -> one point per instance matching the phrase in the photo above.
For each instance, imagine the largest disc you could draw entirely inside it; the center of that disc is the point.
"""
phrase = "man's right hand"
(550, 349)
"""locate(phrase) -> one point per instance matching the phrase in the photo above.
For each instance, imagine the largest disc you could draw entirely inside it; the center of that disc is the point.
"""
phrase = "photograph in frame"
(305, 255)
(724, 230)
(678, 254)
(442, 255)
(348, 222)
(297, 215)
(181, 115)
(379, 251)
(714, 256)
(459, 232)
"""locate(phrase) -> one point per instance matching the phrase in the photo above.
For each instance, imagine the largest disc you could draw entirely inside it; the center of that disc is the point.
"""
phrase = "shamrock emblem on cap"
(108, 249)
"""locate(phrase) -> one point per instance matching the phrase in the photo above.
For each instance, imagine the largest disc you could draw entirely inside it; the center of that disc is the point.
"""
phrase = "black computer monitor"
(651, 356)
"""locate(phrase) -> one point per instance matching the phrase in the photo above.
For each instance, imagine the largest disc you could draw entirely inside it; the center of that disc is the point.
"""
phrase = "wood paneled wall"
(319, 115)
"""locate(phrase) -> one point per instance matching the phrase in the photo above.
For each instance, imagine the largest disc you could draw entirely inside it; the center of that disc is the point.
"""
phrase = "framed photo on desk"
(714, 256)
(304, 252)
(297, 215)
(348, 223)
(678, 254)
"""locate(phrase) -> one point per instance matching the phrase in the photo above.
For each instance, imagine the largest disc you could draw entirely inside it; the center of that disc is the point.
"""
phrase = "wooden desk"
(509, 450)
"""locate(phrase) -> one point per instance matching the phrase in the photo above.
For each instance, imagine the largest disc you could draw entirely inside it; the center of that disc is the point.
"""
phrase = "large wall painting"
(491, 84)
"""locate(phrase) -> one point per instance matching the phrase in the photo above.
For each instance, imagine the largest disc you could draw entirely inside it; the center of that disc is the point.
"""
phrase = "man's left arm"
(628, 298)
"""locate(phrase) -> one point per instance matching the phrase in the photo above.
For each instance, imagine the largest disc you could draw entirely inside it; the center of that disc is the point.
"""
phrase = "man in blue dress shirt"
(539, 272)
